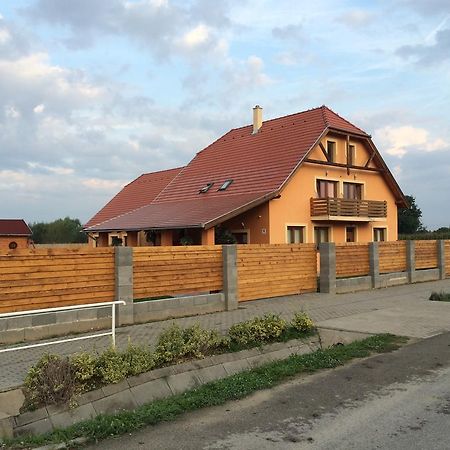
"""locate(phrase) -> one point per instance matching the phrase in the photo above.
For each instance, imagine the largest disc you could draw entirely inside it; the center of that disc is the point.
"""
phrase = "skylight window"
(225, 185)
(205, 188)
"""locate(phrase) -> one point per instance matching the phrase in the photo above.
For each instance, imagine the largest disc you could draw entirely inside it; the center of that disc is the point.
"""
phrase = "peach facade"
(21, 241)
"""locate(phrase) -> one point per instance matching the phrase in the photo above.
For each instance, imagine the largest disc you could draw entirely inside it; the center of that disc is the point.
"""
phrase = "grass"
(440, 296)
(214, 393)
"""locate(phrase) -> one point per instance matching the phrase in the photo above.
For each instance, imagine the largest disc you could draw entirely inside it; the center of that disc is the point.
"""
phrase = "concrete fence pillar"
(374, 264)
(411, 260)
(124, 284)
(441, 259)
(230, 277)
(327, 283)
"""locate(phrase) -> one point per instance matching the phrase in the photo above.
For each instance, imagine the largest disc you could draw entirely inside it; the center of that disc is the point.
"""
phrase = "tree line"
(60, 231)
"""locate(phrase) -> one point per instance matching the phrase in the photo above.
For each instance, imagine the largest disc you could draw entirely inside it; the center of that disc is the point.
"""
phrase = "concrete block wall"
(329, 283)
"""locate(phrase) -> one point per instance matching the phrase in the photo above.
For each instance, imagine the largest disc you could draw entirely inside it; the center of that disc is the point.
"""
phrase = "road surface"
(399, 400)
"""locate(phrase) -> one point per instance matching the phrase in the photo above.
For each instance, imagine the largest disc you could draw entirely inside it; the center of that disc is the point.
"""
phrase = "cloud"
(398, 141)
(289, 32)
(427, 7)
(356, 18)
(424, 55)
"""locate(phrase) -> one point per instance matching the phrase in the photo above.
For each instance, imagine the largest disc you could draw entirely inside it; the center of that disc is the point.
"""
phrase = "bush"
(111, 367)
(175, 343)
(138, 359)
(440, 296)
(258, 330)
(84, 370)
(50, 381)
(302, 322)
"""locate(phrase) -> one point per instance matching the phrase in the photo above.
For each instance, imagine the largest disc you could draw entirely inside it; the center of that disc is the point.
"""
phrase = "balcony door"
(327, 189)
(352, 191)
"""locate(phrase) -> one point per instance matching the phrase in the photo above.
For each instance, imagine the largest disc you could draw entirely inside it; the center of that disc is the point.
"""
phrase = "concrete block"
(43, 319)
(124, 276)
(12, 336)
(230, 277)
(66, 317)
(259, 360)
(233, 367)
(111, 389)
(149, 376)
(354, 284)
(3, 325)
(104, 313)
(201, 300)
(183, 382)
(278, 355)
(123, 256)
(411, 260)
(441, 259)
(374, 264)
(6, 427)
(327, 282)
(273, 347)
(17, 323)
(56, 409)
(212, 373)
(11, 402)
(37, 333)
(72, 416)
(89, 397)
(426, 275)
(329, 336)
(150, 391)
(30, 416)
(40, 427)
(117, 402)
(87, 314)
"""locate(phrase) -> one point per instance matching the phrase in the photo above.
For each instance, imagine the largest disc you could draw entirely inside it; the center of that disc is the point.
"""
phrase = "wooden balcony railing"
(341, 207)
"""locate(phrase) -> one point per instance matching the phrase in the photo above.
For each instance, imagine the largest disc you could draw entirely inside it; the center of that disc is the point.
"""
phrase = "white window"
(379, 234)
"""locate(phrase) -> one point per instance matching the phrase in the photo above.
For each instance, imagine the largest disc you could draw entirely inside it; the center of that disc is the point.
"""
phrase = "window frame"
(385, 233)
(355, 233)
(329, 232)
(303, 228)
(332, 155)
(360, 185)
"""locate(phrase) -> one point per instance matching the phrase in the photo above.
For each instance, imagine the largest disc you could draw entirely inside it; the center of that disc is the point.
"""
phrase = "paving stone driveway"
(402, 310)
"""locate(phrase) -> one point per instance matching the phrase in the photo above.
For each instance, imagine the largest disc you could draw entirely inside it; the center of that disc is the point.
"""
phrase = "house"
(14, 234)
(306, 177)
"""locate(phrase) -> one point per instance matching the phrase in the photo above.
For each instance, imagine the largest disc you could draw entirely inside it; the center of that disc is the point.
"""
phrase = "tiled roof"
(195, 213)
(136, 194)
(259, 164)
(14, 227)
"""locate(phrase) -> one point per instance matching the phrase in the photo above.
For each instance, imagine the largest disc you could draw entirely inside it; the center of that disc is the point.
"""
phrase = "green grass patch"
(440, 297)
(215, 393)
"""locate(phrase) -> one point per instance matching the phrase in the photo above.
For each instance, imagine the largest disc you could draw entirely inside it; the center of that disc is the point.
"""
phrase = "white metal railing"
(36, 312)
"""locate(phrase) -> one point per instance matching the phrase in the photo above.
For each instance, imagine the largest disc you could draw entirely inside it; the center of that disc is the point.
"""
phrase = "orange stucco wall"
(22, 242)
(293, 207)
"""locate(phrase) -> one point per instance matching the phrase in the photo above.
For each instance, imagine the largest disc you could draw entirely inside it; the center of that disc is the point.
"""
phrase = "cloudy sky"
(95, 92)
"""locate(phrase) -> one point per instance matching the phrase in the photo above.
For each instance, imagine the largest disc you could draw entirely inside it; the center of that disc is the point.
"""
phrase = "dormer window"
(225, 185)
(206, 188)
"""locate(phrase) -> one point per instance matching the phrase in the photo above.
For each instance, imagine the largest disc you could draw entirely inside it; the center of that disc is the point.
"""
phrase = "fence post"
(441, 259)
(230, 277)
(374, 264)
(411, 260)
(327, 282)
(124, 283)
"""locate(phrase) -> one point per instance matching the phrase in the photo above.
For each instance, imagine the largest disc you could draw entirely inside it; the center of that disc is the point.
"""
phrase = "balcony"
(342, 209)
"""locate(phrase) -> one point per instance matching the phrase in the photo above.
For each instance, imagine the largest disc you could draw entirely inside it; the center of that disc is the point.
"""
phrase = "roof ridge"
(150, 173)
(325, 107)
(280, 117)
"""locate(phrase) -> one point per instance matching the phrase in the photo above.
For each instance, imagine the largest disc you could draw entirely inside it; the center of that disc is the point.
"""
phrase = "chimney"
(257, 118)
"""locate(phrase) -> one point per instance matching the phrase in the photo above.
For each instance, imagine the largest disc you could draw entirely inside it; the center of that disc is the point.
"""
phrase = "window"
(295, 235)
(225, 185)
(206, 188)
(240, 236)
(116, 241)
(353, 191)
(351, 156)
(12, 245)
(350, 234)
(321, 234)
(379, 234)
(331, 150)
(327, 188)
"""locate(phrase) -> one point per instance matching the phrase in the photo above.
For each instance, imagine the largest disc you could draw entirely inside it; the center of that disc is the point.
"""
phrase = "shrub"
(84, 370)
(111, 367)
(257, 330)
(302, 322)
(175, 343)
(138, 359)
(440, 296)
(50, 381)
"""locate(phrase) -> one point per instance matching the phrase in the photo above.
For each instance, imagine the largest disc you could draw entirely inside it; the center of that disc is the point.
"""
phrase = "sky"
(95, 92)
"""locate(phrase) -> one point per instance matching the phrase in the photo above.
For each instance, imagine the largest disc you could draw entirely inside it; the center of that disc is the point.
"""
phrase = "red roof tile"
(14, 227)
(258, 164)
(136, 194)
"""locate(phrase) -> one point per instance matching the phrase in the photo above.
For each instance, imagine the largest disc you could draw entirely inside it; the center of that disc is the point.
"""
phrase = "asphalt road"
(393, 401)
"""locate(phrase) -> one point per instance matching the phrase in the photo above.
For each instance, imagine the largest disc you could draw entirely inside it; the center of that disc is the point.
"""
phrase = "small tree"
(409, 218)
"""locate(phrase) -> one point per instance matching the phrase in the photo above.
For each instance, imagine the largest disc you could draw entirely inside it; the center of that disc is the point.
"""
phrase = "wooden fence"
(34, 279)
(352, 260)
(274, 270)
(392, 256)
(426, 254)
(165, 271)
(447, 257)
